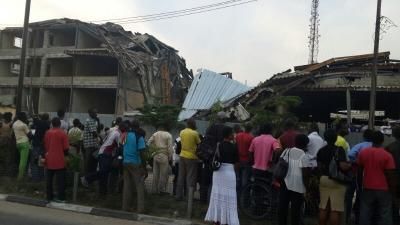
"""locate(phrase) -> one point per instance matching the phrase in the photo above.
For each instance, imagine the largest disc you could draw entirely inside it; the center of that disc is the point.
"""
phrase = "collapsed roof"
(140, 55)
(209, 88)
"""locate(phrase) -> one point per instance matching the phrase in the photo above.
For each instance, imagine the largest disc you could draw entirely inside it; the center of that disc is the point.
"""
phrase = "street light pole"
(372, 102)
(23, 57)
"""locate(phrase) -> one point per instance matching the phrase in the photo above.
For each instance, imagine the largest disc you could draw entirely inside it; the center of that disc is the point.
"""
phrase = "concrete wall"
(59, 67)
(96, 66)
(102, 99)
(87, 41)
(53, 99)
(7, 39)
(33, 67)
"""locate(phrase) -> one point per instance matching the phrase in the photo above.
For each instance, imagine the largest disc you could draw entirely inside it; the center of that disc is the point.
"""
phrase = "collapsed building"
(75, 65)
(333, 85)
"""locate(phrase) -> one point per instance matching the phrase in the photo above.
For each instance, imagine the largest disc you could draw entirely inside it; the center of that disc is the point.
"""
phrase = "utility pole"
(23, 56)
(372, 102)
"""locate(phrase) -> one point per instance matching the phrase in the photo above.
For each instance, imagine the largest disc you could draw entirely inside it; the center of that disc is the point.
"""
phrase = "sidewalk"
(95, 211)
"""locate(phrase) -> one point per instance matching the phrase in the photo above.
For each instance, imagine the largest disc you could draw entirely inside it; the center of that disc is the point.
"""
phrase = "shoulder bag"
(282, 167)
(335, 173)
(216, 161)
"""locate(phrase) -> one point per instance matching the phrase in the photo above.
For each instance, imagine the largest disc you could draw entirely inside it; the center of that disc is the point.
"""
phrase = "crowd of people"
(348, 183)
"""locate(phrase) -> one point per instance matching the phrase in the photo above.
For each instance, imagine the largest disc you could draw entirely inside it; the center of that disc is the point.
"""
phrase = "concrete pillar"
(43, 66)
(46, 39)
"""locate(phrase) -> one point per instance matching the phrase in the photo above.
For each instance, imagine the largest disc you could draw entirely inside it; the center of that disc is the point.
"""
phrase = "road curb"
(26, 200)
(95, 211)
(114, 214)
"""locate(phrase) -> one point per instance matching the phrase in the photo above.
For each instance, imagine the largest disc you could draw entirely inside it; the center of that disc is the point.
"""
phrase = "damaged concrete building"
(333, 85)
(76, 65)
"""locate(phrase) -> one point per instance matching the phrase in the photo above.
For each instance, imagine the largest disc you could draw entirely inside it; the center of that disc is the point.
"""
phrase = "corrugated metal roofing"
(208, 88)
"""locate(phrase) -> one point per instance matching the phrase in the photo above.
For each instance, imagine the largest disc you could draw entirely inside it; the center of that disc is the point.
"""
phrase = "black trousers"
(205, 182)
(90, 160)
(296, 202)
(105, 165)
(60, 178)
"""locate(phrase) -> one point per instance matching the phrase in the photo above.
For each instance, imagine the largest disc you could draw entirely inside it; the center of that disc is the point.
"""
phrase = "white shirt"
(64, 125)
(112, 138)
(294, 178)
(163, 141)
(315, 144)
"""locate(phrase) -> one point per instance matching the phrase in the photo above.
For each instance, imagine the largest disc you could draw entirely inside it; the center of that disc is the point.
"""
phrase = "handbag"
(335, 173)
(216, 162)
(282, 167)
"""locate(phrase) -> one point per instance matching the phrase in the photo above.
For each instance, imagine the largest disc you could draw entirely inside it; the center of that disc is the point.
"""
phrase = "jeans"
(23, 149)
(296, 201)
(244, 174)
(375, 202)
(160, 173)
(133, 175)
(187, 174)
(105, 162)
(348, 199)
(60, 178)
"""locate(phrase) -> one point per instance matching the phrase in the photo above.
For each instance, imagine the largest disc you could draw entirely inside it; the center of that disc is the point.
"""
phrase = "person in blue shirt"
(134, 173)
(366, 143)
(353, 187)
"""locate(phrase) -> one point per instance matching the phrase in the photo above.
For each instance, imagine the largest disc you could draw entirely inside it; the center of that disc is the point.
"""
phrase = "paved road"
(19, 214)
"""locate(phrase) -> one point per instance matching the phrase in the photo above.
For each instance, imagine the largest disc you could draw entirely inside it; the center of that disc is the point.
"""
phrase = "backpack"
(205, 150)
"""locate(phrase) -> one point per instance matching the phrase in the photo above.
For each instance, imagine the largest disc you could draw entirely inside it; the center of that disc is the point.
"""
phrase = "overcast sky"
(254, 41)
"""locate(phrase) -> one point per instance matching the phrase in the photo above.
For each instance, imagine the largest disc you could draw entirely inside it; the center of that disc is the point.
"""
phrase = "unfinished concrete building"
(76, 65)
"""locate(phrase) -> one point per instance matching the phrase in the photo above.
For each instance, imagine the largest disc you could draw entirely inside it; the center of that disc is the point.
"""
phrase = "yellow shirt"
(189, 141)
(341, 142)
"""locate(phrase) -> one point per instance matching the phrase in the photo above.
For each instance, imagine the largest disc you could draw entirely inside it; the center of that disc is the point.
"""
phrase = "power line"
(180, 15)
(169, 13)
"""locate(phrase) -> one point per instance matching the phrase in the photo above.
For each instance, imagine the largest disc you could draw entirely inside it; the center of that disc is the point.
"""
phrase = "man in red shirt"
(378, 167)
(243, 142)
(287, 139)
(56, 146)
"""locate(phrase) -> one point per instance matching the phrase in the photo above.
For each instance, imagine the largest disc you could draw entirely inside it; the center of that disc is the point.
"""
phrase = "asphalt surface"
(19, 214)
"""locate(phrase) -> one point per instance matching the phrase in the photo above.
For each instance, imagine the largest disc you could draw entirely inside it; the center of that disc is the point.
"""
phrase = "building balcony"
(52, 52)
(63, 82)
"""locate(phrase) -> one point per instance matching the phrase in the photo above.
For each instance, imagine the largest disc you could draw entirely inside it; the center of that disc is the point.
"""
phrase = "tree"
(160, 115)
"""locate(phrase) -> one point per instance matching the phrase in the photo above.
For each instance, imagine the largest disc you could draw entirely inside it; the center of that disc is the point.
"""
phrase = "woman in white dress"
(223, 202)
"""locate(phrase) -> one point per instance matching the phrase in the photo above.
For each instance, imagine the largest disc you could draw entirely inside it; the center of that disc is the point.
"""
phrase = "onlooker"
(61, 115)
(223, 201)
(262, 149)
(315, 144)
(21, 132)
(293, 189)
(162, 141)
(41, 126)
(331, 192)
(56, 146)
(287, 139)
(90, 141)
(366, 143)
(116, 123)
(394, 149)
(105, 158)
(243, 142)
(356, 182)
(188, 159)
(134, 173)
(75, 137)
(175, 163)
(6, 145)
(342, 130)
(310, 162)
(378, 168)
(214, 134)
